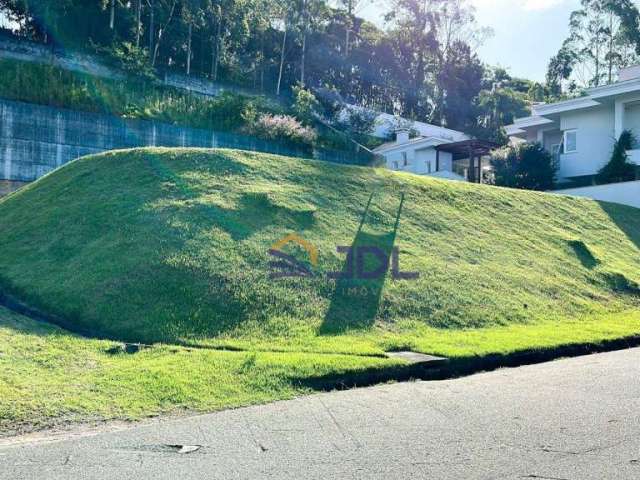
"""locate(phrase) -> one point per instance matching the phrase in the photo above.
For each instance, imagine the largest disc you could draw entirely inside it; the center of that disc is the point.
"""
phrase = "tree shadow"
(583, 253)
(356, 299)
(253, 213)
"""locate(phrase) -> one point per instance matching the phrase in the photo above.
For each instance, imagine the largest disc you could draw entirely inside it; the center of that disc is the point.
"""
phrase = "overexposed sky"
(527, 33)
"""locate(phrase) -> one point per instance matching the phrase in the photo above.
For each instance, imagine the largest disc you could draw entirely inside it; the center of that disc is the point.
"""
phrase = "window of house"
(428, 167)
(570, 141)
(405, 159)
(395, 165)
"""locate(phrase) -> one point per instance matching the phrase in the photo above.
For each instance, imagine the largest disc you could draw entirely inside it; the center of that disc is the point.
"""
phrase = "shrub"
(282, 127)
(305, 105)
(619, 169)
(132, 60)
(359, 121)
(527, 166)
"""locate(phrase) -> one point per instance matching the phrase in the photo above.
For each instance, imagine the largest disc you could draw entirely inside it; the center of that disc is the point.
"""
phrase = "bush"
(135, 98)
(305, 105)
(619, 169)
(527, 166)
(359, 121)
(282, 127)
(132, 60)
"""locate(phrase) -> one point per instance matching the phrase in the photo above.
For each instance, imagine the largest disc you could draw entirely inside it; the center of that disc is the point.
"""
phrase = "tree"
(501, 101)
(350, 7)
(285, 13)
(309, 13)
(460, 80)
(414, 43)
(619, 169)
(603, 37)
(138, 22)
(424, 66)
(193, 16)
(526, 166)
(167, 8)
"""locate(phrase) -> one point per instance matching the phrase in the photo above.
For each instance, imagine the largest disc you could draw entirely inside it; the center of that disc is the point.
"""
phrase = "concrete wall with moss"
(36, 139)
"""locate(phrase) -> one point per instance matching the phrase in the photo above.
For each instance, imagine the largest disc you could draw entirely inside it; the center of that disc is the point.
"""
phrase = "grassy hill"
(49, 377)
(173, 246)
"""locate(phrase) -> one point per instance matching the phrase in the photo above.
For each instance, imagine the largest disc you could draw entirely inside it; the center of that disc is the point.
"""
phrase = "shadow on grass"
(356, 299)
(255, 212)
(583, 253)
(626, 218)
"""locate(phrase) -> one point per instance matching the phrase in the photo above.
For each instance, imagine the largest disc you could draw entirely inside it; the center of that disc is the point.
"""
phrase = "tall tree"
(460, 79)
(138, 22)
(415, 43)
(603, 37)
(192, 16)
(167, 8)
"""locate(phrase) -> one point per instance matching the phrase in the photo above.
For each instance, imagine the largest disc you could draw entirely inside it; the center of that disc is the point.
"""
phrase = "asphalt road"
(572, 419)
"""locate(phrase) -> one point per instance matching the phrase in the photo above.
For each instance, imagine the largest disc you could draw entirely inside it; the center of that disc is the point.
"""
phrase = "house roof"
(619, 88)
(565, 106)
(467, 147)
(593, 98)
(418, 142)
(426, 130)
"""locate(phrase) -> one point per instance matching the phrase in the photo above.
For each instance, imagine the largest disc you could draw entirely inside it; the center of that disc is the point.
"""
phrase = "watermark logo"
(365, 262)
(288, 266)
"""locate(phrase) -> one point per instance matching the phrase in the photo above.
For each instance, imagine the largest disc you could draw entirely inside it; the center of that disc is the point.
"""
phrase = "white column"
(619, 119)
(541, 136)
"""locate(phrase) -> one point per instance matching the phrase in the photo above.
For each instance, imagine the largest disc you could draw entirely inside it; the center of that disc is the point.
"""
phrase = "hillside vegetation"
(145, 99)
(172, 246)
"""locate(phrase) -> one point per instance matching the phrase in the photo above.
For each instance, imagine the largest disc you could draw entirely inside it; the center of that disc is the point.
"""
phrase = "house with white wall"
(419, 155)
(438, 152)
(581, 132)
(415, 148)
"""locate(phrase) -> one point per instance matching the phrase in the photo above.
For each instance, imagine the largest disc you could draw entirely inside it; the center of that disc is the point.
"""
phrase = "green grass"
(171, 246)
(50, 377)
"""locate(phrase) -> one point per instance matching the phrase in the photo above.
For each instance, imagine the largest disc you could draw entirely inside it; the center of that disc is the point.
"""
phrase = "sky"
(527, 33)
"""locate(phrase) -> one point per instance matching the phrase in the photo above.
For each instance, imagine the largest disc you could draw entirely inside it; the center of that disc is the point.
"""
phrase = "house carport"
(472, 150)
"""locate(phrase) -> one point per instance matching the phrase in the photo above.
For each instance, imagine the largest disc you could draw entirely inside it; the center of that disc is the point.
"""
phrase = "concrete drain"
(419, 359)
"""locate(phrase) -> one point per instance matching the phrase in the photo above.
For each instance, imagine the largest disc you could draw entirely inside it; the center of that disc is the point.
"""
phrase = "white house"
(417, 155)
(582, 131)
(437, 152)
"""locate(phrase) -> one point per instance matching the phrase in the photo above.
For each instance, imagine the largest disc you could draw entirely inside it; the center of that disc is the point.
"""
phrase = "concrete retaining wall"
(36, 139)
(627, 193)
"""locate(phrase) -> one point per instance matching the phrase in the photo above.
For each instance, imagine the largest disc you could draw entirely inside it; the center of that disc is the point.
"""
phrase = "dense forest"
(421, 63)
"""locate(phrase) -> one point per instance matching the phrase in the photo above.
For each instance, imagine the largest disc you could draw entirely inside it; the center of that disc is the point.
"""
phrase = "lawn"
(49, 377)
(171, 247)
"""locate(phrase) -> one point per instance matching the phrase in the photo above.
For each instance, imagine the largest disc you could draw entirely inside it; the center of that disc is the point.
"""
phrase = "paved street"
(572, 419)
